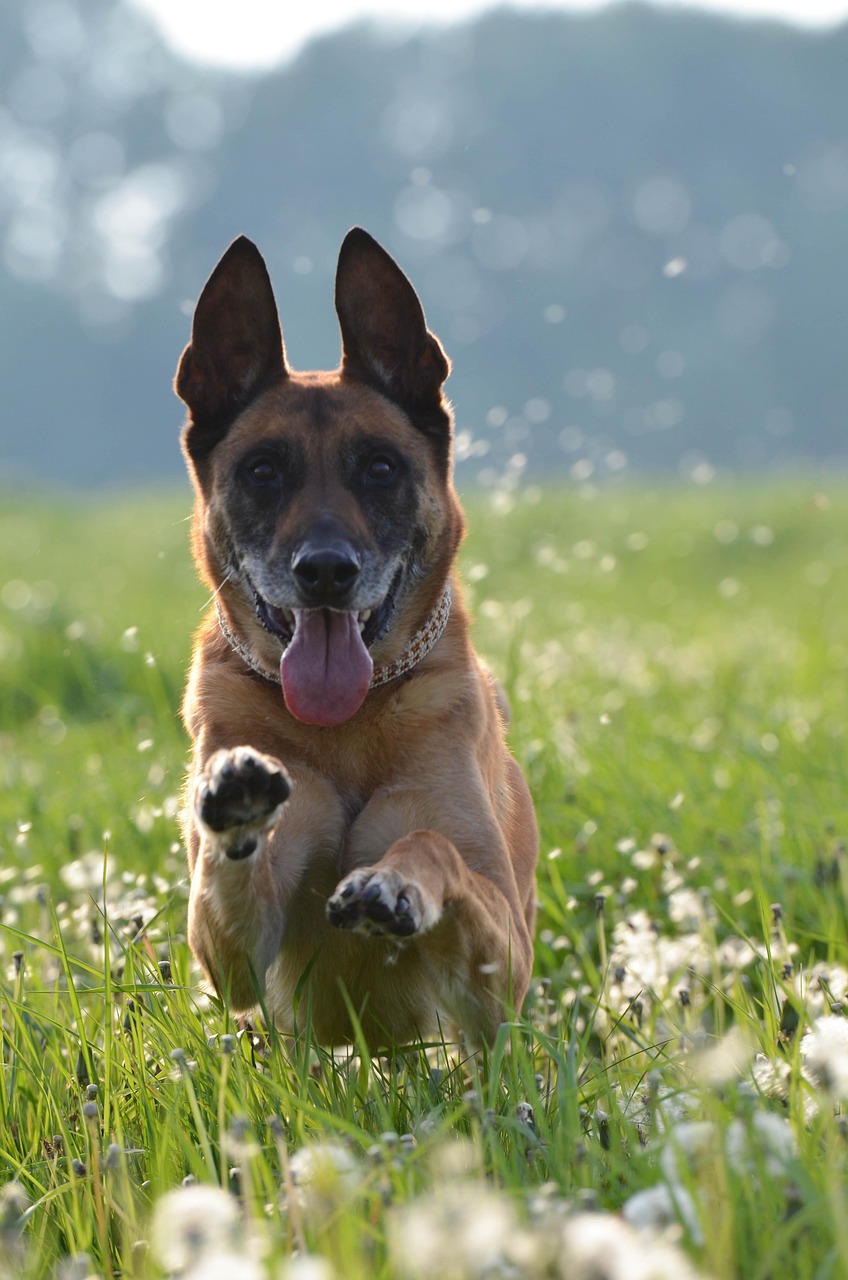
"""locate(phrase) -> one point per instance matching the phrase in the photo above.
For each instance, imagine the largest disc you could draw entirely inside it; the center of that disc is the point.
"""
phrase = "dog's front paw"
(380, 903)
(239, 795)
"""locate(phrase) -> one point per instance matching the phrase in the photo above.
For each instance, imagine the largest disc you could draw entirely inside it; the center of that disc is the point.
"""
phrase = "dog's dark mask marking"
(326, 495)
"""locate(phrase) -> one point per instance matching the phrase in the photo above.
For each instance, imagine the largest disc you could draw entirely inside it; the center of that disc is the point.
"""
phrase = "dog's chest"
(321, 973)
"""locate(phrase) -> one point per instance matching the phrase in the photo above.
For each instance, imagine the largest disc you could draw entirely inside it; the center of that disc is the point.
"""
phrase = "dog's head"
(326, 518)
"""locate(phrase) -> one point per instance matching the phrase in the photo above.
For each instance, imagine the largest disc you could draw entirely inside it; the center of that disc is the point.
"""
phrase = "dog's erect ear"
(236, 347)
(385, 338)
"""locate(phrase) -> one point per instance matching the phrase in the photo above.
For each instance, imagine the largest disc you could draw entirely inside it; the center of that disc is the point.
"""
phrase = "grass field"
(677, 662)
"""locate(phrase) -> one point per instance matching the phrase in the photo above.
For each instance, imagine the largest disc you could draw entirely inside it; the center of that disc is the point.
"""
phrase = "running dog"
(361, 843)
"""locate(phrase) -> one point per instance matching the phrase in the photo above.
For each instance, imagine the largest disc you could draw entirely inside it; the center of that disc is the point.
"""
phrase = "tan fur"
(417, 787)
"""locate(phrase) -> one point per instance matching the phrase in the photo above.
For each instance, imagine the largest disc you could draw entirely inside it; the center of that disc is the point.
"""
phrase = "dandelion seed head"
(771, 1077)
(735, 953)
(604, 1247)
(193, 1223)
(824, 1050)
(307, 1267)
(525, 1114)
(766, 1143)
(658, 1208)
(87, 874)
(457, 1233)
(14, 1203)
(226, 1266)
(457, 1159)
(820, 987)
(686, 907)
(326, 1174)
(655, 962)
(724, 1060)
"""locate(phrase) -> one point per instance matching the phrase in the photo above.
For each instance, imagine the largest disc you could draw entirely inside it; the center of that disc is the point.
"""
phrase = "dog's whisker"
(217, 591)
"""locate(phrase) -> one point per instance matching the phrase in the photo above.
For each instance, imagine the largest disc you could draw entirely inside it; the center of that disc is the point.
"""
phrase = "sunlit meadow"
(670, 1104)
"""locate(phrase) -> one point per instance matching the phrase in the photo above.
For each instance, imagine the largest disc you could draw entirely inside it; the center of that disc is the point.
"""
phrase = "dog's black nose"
(326, 574)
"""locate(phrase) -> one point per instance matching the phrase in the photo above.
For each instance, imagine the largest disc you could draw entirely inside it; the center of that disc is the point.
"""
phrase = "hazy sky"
(261, 32)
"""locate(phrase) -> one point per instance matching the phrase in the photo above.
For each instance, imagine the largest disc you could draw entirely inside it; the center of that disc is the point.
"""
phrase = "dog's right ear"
(236, 349)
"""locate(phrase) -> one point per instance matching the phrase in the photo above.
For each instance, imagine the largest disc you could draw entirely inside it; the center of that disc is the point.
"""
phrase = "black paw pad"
(376, 905)
(241, 788)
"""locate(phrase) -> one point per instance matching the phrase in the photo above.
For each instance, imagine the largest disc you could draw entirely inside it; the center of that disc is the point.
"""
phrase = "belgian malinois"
(361, 843)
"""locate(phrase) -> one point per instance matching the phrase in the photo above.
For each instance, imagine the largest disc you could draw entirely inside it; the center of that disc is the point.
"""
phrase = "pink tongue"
(326, 669)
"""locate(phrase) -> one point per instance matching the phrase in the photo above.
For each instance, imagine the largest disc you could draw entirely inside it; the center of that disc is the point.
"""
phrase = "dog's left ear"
(385, 338)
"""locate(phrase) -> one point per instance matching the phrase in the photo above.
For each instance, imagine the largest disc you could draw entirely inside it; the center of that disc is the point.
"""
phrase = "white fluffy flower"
(599, 1246)
(225, 1266)
(824, 1049)
(766, 1143)
(88, 873)
(308, 1266)
(660, 1207)
(326, 1175)
(192, 1224)
(460, 1230)
(471, 1231)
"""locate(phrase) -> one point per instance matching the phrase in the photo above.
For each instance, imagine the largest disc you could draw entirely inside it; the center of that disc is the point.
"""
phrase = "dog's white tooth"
(361, 625)
(365, 615)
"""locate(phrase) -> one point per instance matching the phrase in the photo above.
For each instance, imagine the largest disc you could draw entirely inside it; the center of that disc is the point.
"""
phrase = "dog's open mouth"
(326, 669)
(372, 623)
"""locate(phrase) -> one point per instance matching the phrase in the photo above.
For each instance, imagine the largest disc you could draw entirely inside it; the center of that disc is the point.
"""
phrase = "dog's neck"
(419, 646)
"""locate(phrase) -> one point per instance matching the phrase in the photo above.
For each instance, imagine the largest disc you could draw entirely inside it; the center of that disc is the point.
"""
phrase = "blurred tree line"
(628, 228)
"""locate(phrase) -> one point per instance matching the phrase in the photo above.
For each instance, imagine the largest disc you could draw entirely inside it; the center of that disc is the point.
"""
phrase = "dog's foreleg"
(236, 914)
(472, 930)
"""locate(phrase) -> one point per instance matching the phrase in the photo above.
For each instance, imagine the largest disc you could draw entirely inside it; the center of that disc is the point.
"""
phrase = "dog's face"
(326, 516)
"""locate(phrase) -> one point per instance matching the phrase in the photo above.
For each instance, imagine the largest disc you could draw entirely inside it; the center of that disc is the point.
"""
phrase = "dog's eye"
(380, 468)
(263, 472)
